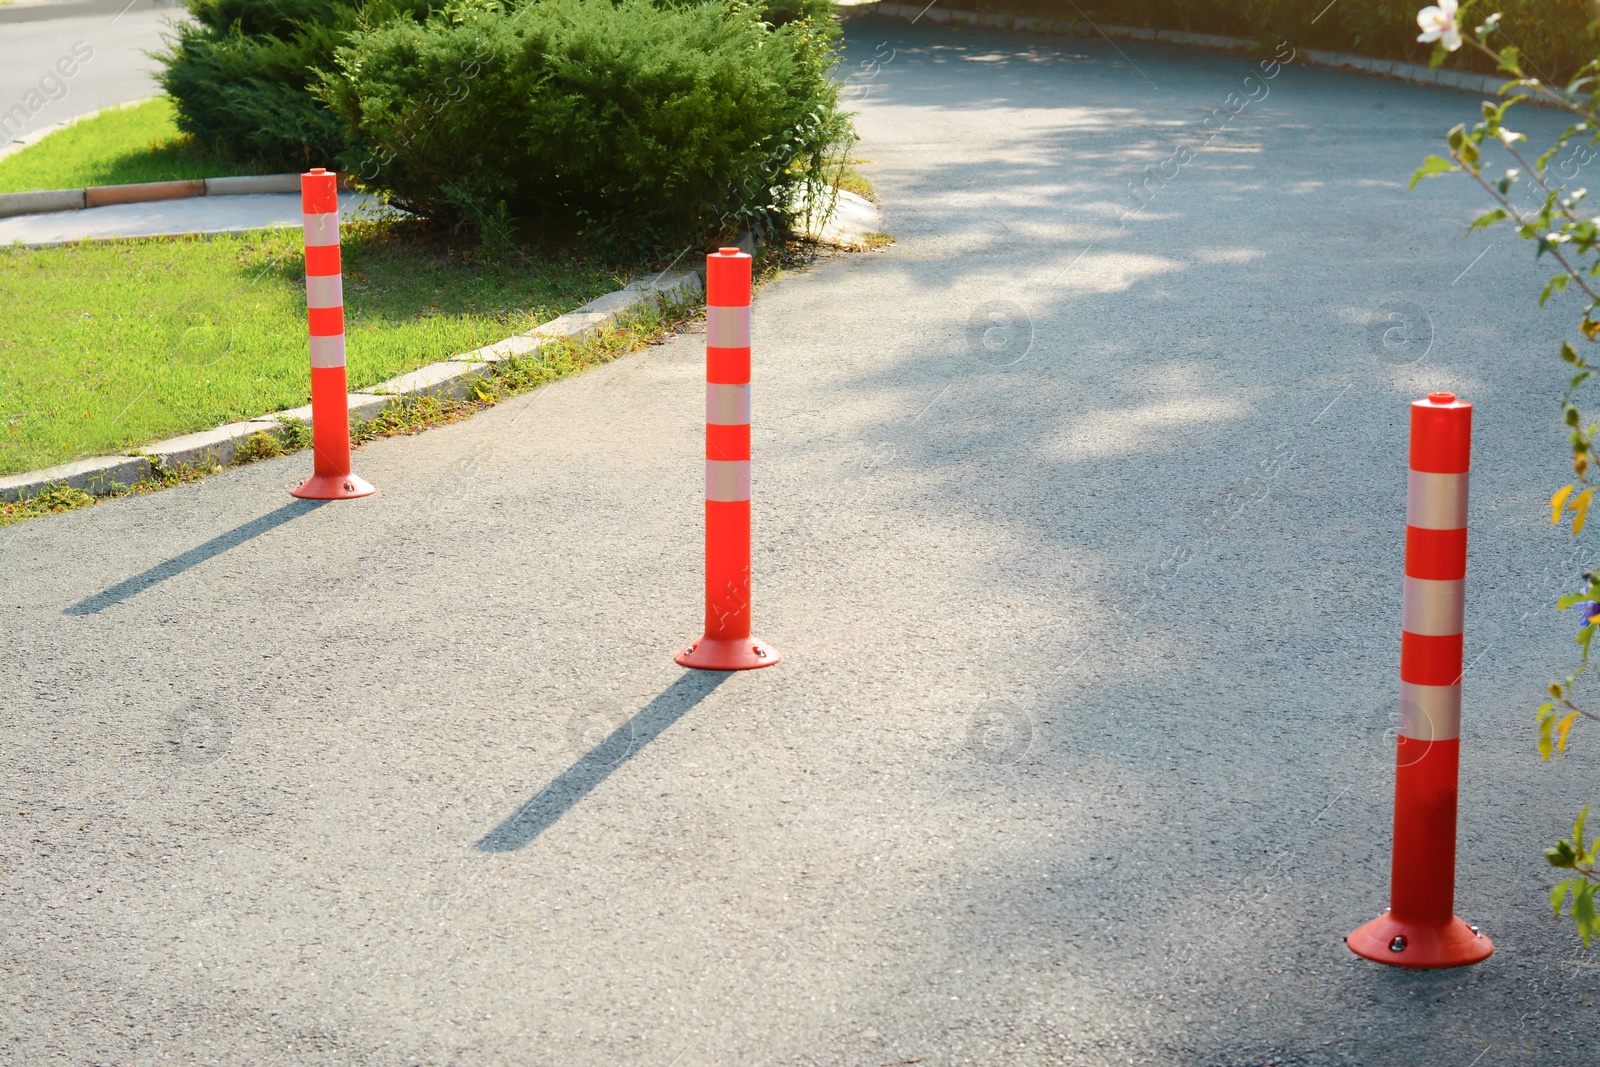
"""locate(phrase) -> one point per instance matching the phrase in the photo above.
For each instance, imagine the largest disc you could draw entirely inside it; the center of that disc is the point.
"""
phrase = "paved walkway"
(1082, 545)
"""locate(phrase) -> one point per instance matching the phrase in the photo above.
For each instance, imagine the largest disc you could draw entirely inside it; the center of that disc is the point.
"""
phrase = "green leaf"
(1431, 166)
(1558, 895)
(1569, 353)
(1571, 598)
(1560, 855)
(1488, 218)
(1558, 284)
(1583, 911)
(1577, 827)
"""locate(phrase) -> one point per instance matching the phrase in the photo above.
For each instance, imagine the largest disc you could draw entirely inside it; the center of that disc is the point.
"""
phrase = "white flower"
(1439, 24)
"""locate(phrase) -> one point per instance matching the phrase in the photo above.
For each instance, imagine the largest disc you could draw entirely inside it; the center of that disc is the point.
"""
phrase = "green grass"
(510, 377)
(139, 143)
(113, 345)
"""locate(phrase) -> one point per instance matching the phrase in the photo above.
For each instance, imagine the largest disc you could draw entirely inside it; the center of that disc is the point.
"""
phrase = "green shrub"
(240, 73)
(778, 12)
(1554, 34)
(661, 122)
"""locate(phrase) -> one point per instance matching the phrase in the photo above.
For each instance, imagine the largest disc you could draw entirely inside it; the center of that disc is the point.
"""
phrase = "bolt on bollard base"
(333, 487)
(1423, 945)
(728, 654)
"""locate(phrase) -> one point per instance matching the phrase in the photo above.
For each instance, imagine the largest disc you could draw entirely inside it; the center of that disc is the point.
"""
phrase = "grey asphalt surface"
(1080, 751)
(33, 38)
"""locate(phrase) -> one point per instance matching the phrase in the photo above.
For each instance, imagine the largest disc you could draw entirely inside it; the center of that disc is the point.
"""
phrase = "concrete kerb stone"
(1411, 72)
(510, 348)
(105, 474)
(208, 448)
(45, 201)
(450, 379)
(364, 407)
(253, 183)
(41, 202)
(851, 225)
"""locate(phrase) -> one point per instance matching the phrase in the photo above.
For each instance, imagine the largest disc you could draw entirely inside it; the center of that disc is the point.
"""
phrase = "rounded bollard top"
(319, 192)
(728, 278)
(1441, 434)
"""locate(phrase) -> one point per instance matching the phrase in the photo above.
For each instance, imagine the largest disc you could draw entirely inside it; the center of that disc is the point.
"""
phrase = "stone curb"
(1411, 72)
(44, 201)
(449, 379)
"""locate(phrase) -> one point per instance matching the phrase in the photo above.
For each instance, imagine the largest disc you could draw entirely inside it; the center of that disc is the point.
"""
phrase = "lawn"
(113, 345)
(139, 143)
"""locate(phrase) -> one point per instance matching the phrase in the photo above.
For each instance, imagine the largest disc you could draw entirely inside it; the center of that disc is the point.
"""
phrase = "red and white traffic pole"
(1421, 929)
(727, 644)
(330, 409)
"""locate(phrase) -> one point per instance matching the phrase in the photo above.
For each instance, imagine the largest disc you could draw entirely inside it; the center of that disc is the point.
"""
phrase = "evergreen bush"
(637, 122)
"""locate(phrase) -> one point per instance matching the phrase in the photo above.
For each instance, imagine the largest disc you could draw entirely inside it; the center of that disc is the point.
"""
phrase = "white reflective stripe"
(1432, 608)
(324, 291)
(322, 229)
(727, 405)
(727, 327)
(727, 479)
(1430, 712)
(327, 351)
(1436, 501)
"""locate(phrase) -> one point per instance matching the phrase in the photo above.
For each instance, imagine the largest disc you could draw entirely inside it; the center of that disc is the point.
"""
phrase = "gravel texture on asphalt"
(1082, 544)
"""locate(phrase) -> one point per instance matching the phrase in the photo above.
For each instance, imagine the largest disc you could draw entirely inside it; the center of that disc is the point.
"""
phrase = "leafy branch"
(1572, 854)
(1541, 208)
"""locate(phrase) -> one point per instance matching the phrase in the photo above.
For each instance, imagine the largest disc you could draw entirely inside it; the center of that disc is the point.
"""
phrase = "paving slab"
(1080, 533)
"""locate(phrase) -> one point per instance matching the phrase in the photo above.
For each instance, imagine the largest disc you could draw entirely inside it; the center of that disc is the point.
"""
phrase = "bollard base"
(333, 487)
(1453, 944)
(728, 654)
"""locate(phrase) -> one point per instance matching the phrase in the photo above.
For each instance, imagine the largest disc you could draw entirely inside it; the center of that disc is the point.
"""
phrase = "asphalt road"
(55, 66)
(1082, 544)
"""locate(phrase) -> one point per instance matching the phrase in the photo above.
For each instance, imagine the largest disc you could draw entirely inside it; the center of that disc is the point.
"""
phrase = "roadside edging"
(1390, 68)
(46, 201)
